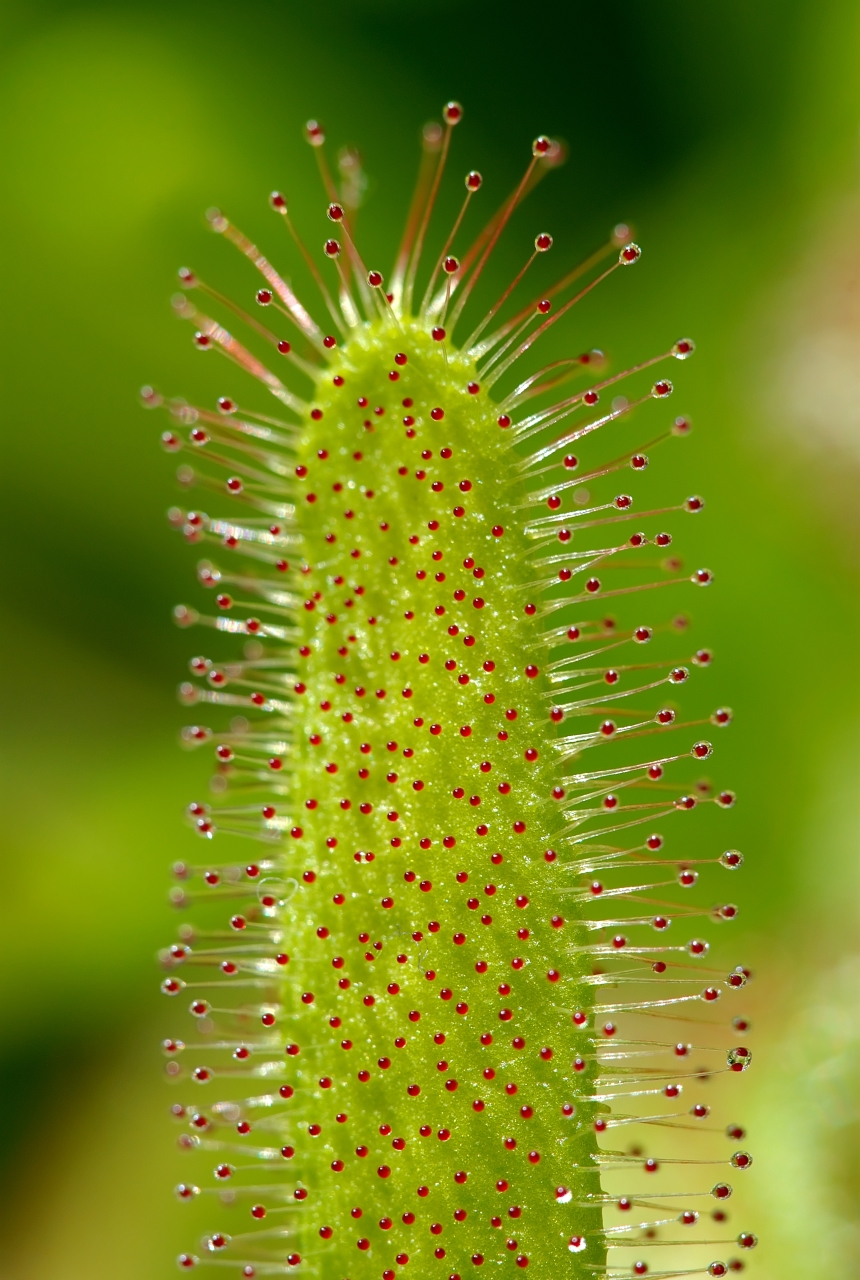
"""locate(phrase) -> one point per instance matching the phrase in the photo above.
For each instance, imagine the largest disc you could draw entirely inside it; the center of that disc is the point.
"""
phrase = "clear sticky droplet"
(315, 133)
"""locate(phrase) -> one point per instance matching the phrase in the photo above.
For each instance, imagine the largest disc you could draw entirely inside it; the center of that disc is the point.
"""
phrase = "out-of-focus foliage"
(727, 133)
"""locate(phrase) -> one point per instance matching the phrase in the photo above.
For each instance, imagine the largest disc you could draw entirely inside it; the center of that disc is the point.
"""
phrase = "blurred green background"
(727, 133)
